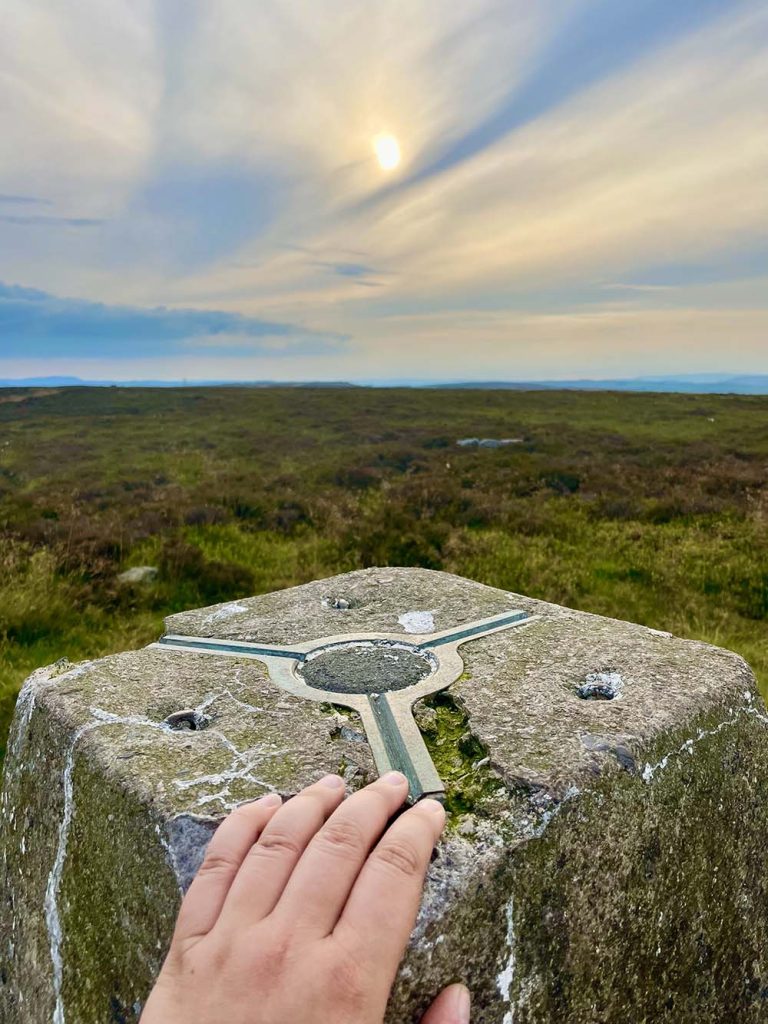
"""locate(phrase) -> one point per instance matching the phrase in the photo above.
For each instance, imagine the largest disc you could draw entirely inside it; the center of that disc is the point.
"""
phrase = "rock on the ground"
(488, 442)
(604, 861)
(139, 574)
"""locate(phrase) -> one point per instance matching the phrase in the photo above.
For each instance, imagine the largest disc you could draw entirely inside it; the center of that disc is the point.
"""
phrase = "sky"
(383, 189)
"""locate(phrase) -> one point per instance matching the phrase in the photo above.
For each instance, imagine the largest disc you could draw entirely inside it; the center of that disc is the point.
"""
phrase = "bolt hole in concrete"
(601, 686)
(367, 667)
(187, 721)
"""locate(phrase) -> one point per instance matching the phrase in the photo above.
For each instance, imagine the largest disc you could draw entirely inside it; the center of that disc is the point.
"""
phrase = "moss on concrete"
(461, 760)
(113, 945)
(645, 901)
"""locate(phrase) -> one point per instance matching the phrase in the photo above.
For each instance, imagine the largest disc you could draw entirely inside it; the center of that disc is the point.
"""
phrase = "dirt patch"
(32, 393)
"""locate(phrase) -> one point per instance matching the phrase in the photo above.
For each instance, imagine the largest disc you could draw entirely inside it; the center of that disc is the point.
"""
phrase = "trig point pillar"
(607, 788)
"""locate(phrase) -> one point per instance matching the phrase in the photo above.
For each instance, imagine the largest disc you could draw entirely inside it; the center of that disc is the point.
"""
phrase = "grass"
(645, 507)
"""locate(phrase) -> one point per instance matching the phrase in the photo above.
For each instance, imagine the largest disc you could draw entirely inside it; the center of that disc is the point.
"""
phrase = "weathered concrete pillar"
(608, 784)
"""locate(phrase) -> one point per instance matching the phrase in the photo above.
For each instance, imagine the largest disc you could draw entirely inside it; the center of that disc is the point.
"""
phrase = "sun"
(387, 150)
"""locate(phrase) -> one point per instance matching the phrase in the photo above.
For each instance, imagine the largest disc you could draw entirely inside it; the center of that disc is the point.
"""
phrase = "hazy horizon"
(703, 383)
(573, 189)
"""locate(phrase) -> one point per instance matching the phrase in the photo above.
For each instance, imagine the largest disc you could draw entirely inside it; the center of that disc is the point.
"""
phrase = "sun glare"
(387, 150)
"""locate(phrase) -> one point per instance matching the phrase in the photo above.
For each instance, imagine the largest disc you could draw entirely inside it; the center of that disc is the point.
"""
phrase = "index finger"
(227, 850)
(381, 909)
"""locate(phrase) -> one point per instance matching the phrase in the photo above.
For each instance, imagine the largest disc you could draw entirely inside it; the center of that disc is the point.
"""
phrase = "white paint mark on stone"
(53, 886)
(231, 774)
(651, 770)
(170, 856)
(417, 622)
(548, 815)
(108, 718)
(51, 902)
(101, 718)
(507, 976)
(25, 703)
(227, 611)
(252, 709)
(25, 706)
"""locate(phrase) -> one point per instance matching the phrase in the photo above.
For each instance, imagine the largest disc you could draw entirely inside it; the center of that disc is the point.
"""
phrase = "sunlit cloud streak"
(593, 41)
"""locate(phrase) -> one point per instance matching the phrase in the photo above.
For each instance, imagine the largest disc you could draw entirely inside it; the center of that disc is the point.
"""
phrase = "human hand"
(300, 912)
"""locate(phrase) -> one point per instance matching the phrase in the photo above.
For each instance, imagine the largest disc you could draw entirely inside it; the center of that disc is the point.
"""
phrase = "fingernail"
(270, 800)
(461, 1004)
(332, 781)
(431, 806)
(394, 778)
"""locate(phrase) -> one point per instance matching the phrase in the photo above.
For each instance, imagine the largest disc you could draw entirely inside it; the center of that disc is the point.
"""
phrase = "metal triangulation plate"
(378, 675)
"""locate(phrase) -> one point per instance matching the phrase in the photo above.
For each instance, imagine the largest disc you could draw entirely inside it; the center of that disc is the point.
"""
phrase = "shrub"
(211, 581)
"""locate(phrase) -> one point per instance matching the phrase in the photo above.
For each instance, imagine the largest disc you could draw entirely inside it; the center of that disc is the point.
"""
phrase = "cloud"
(349, 269)
(556, 156)
(501, 345)
(592, 42)
(24, 200)
(596, 342)
(747, 261)
(359, 273)
(38, 220)
(660, 161)
(33, 319)
(665, 157)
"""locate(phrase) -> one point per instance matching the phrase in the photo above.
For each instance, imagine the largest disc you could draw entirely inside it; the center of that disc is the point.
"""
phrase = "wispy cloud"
(591, 43)
(24, 200)
(349, 269)
(37, 220)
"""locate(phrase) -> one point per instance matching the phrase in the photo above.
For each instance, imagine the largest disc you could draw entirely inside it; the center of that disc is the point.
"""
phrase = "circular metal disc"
(366, 667)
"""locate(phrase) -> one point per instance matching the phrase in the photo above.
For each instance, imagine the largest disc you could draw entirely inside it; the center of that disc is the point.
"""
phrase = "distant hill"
(694, 384)
(703, 383)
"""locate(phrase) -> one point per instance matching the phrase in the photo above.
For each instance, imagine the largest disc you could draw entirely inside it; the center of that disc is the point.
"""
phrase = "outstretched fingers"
(382, 907)
(269, 863)
(315, 895)
(226, 852)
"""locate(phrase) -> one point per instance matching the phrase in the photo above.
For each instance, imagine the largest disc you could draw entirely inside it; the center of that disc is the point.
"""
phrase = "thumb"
(450, 1007)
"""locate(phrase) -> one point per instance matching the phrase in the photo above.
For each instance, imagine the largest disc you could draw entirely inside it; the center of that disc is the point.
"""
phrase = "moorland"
(649, 507)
